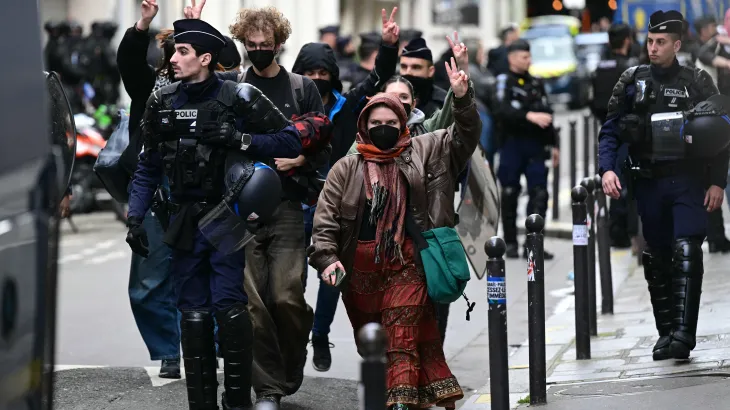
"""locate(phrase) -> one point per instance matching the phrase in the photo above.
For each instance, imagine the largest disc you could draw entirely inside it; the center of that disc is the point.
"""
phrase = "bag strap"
(297, 84)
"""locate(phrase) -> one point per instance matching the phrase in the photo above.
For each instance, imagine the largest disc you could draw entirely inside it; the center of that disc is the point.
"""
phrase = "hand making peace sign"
(461, 54)
(194, 11)
(391, 31)
(458, 78)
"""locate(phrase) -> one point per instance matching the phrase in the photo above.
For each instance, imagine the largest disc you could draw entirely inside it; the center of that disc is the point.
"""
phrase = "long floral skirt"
(395, 296)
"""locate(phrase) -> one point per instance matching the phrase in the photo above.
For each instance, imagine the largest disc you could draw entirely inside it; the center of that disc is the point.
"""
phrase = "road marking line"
(105, 258)
(62, 367)
(483, 399)
(71, 258)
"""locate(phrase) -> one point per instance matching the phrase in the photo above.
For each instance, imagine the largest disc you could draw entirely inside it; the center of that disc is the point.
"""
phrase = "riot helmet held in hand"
(261, 194)
(706, 128)
(253, 194)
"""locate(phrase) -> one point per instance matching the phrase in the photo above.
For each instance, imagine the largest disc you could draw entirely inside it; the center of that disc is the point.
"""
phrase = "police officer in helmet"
(525, 122)
(190, 129)
(672, 188)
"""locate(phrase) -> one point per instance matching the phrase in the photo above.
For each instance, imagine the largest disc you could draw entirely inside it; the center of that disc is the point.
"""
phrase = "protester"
(318, 62)
(275, 258)
(151, 291)
(360, 229)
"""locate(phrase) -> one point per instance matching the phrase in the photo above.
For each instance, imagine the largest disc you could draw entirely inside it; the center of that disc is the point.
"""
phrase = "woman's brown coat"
(430, 166)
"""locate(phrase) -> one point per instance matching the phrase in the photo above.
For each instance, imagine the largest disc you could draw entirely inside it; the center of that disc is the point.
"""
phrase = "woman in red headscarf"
(360, 228)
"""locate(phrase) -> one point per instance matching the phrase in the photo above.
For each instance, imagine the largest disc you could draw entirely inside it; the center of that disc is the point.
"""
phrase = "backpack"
(297, 84)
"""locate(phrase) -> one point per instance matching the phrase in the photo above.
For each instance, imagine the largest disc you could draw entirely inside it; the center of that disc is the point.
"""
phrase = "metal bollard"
(373, 342)
(580, 270)
(496, 292)
(596, 132)
(588, 184)
(573, 154)
(536, 307)
(586, 144)
(556, 186)
(604, 250)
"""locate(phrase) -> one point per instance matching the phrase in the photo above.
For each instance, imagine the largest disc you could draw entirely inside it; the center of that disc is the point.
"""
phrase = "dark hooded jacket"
(344, 109)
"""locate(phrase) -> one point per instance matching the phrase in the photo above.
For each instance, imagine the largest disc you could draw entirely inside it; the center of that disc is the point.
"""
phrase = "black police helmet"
(260, 196)
(707, 127)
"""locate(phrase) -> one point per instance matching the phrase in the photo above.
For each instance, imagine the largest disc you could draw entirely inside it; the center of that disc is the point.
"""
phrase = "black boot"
(322, 357)
(720, 245)
(687, 288)
(170, 369)
(235, 333)
(510, 195)
(657, 271)
(198, 350)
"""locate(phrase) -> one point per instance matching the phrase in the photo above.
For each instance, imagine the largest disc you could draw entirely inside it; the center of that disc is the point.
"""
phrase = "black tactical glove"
(137, 237)
(222, 135)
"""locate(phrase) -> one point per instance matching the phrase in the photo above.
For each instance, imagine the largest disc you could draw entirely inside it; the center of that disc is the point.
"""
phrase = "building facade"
(436, 18)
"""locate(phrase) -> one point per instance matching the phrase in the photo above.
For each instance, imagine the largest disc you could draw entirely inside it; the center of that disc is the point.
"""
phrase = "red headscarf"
(386, 188)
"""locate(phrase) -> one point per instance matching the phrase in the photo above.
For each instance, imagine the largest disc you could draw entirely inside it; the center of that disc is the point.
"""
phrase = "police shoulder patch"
(169, 89)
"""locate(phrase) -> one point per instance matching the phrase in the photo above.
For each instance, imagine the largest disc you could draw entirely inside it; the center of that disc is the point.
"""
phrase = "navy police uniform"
(669, 185)
(523, 146)
(188, 130)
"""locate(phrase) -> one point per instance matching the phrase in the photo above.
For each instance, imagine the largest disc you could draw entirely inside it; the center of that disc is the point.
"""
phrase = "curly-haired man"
(275, 259)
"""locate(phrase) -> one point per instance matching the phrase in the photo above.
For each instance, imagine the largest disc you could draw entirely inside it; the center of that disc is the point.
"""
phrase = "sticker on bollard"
(496, 290)
(531, 267)
(580, 235)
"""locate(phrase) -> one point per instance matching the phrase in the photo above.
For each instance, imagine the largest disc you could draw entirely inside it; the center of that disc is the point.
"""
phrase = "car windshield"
(552, 49)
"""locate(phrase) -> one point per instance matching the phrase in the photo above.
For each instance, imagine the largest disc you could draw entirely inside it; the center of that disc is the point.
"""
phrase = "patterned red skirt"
(395, 296)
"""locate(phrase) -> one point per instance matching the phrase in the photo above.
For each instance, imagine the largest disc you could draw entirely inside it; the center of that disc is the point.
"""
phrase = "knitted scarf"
(385, 186)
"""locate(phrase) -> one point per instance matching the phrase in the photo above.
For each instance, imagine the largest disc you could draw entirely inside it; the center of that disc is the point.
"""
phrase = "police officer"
(526, 128)
(671, 188)
(611, 67)
(190, 127)
(622, 215)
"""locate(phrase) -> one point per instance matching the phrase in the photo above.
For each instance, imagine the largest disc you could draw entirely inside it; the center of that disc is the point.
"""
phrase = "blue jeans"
(327, 295)
(152, 296)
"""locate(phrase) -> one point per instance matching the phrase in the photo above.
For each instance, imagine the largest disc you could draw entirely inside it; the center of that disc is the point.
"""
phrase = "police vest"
(605, 78)
(190, 166)
(653, 98)
(522, 94)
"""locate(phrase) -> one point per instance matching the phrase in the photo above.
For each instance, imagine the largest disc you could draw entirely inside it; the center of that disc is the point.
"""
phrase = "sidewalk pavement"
(621, 372)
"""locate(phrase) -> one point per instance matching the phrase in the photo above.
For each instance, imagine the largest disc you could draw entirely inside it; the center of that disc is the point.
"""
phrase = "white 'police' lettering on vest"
(673, 92)
(186, 114)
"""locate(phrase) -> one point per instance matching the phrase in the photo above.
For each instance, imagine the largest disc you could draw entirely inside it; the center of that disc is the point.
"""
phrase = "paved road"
(96, 329)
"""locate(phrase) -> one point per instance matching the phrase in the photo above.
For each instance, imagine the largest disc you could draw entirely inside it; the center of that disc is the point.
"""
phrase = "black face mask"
(384, 136)
(261, 59)
(408, 109)
(423, 87)
(324, 86)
